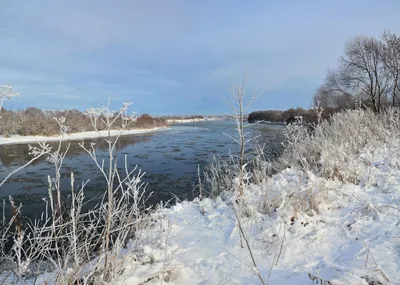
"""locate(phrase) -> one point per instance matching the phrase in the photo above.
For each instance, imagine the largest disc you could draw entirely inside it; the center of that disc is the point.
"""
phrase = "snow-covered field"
(16, 139)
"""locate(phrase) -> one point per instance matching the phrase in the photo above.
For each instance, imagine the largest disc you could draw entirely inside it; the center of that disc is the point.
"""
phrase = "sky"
(165, 56)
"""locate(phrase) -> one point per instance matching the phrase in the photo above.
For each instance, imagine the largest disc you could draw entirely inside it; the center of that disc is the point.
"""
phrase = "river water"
(169, 157)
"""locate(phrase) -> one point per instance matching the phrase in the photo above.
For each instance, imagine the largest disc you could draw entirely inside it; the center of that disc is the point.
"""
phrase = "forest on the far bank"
(288, 116)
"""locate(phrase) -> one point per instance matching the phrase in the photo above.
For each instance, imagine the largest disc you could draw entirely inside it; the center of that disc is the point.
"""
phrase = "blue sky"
(163, 55)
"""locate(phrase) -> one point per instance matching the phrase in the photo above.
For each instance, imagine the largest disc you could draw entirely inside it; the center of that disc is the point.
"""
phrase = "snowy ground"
(353, 237)
(16, 139)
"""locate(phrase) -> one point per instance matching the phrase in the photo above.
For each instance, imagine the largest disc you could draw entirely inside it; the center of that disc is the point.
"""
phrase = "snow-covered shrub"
(333, 148)
(221, 175)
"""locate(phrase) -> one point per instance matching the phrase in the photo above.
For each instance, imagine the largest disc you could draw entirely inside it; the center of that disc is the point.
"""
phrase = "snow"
(352, 236)
(16, 139)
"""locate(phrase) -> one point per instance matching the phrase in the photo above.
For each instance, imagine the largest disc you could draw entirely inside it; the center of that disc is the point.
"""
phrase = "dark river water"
(169, 157)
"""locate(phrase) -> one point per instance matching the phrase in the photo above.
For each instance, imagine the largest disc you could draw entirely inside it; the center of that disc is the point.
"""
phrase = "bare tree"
(340, 93)
(365, 68)
(391, 60)
(361, 76)
(322, 97)
(332, 95)
(239, 104)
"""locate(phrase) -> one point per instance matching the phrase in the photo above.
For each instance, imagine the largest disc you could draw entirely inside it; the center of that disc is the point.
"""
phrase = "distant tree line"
(192, 117)
(288, 116)
(34, 121)
(367, 75)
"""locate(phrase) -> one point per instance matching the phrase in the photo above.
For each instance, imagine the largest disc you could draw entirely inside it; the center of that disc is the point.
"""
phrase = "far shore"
(191, 120)
(17, 139)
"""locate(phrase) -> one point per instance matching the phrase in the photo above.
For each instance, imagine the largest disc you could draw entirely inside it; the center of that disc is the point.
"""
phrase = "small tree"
(109, 119)
(239, 104)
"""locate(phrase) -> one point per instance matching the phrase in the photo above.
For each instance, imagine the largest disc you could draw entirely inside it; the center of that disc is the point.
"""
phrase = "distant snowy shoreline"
(16, 139)
(191, 120)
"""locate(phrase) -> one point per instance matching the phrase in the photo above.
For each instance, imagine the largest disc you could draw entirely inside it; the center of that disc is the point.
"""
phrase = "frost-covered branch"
(36, 152)
(6, 92)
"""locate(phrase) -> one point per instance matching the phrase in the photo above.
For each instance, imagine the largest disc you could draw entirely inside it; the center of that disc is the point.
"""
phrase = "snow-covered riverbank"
(16, 139)
(353, 238)
(338, 224)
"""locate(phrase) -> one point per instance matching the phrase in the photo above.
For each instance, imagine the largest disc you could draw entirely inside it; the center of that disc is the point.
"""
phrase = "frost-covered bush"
(221, 175)
(333, 148)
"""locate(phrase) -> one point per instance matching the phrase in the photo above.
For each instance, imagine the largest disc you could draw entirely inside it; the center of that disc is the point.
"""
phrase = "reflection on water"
(169, 158)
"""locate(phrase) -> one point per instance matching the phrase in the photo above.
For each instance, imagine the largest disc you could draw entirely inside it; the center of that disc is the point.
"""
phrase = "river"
(169, 157)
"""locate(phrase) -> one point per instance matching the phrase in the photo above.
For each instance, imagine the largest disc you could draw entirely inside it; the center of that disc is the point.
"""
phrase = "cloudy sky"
(164, 55)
